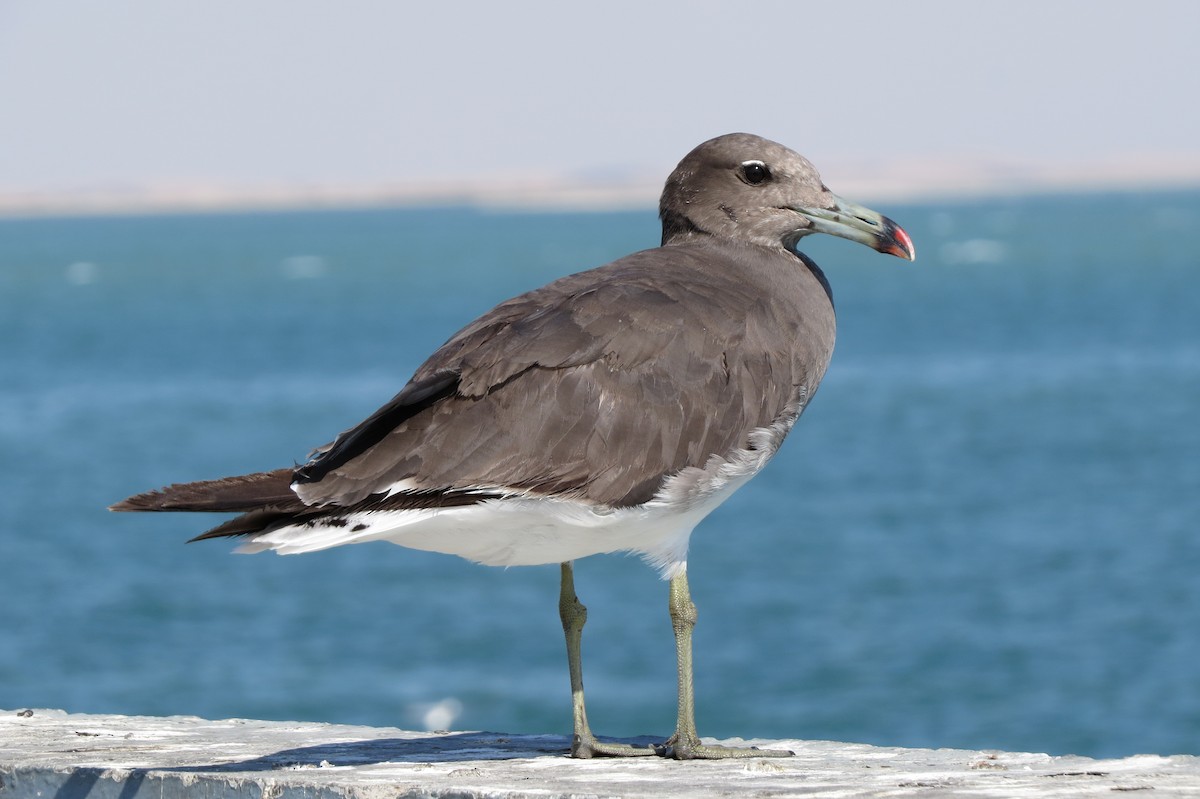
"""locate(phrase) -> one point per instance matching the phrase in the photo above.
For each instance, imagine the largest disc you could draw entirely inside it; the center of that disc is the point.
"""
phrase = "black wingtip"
(414, 398)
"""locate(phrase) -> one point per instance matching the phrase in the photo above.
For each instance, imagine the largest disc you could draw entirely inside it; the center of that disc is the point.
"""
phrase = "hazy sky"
(129, 92)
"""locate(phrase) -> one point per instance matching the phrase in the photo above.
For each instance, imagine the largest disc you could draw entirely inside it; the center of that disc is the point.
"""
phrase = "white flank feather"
(531, 530)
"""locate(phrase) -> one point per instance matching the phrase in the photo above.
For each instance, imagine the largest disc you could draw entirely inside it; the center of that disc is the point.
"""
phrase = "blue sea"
(984, 533)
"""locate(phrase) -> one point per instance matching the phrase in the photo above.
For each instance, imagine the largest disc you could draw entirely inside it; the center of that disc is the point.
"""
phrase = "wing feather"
(650, 365)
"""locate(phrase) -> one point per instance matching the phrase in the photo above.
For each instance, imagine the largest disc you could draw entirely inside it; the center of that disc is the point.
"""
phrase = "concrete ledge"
(49, 753)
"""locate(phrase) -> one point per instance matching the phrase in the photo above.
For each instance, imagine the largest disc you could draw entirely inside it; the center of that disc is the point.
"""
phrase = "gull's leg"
(574, 615)
(685, 743)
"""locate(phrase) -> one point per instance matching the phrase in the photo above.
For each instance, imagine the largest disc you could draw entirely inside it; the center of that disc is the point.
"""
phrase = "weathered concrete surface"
(50, 753)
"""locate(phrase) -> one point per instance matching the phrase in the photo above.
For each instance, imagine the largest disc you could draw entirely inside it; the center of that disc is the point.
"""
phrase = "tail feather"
(237, 494)
(256, 521)
(267, 502)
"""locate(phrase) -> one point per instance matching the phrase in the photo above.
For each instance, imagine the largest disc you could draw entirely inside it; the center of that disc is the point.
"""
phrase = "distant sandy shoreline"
(915, 181)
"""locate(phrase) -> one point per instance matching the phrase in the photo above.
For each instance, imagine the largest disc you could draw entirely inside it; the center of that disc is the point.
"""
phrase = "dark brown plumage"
(611, 409)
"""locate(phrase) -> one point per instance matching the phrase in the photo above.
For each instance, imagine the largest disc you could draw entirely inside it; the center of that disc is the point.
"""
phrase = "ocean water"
(983, 533)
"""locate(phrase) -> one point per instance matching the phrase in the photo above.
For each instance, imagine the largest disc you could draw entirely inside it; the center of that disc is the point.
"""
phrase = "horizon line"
(910, 181)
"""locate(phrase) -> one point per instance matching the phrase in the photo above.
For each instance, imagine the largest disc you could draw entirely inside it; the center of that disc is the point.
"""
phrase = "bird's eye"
(755, 172)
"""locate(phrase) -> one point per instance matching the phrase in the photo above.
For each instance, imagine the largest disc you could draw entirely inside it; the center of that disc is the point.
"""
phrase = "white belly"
(521, 530)
(516, 531)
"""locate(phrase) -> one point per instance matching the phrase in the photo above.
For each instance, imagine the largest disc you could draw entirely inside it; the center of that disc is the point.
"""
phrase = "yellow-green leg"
(685, 743)
(574, 616)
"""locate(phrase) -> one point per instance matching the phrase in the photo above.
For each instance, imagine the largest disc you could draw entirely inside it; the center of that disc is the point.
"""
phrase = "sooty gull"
(608, 411)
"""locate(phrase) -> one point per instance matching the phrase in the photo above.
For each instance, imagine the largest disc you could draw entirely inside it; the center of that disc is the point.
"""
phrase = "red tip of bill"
(900, 245)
